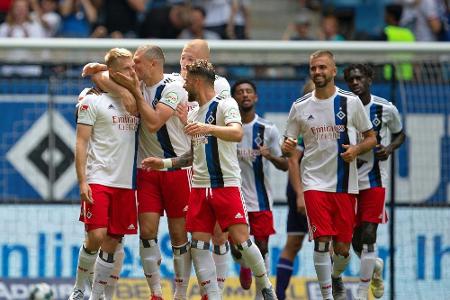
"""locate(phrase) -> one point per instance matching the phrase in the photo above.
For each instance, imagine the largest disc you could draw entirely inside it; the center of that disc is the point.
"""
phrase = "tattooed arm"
(156, 163)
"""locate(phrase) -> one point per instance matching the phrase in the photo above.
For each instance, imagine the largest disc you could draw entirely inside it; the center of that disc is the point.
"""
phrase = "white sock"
(85, 267)
(104, 265)
(267, 263)
(339, 264)
(254, 260)
(220, 258)
(151, 259)
(322, 264)
(204, 268)
(119, 255)
(368, 258)
(182, 263)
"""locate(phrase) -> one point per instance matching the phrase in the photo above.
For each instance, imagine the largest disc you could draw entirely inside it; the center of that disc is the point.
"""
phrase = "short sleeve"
(87, 112)
(292, 124)
(395, 121)
(274, 142)
(360, 118)
(173, 94)
(222, 87)
(230, 111)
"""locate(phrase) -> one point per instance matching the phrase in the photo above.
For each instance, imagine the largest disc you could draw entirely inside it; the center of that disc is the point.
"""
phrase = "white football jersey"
(215, 161)
(326, 124)
(254, 167)
(170, 140)
(111, 159)
(385, 120)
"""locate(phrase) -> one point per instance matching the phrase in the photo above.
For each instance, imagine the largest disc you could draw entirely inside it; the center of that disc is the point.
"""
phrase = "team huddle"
(188, 146)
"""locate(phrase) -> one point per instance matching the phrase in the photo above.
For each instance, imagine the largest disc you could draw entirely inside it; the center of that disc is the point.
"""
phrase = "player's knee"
(342, 249)
(219, 238)
(294, 243)
(263, 246)
(369, 234)
(148, 231)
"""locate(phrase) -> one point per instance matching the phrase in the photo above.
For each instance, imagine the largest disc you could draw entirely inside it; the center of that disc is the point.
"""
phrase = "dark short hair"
(202, 68)
(200, 9)
(239, 82)
(395, 10)
(364, 68)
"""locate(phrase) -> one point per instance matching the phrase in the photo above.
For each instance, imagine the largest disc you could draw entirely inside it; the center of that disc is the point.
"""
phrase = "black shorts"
(297, 223)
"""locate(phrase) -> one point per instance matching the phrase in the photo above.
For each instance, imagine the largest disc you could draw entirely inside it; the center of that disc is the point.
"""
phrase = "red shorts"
(371, 206)
(206, 205)
(113, 208)
(261, 224)
(330, 214)
(159, 191)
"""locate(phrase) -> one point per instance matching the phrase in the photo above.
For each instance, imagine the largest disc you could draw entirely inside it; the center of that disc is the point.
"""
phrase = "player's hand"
(129, 102)
(93, 68)
(86, 193)
(265, 152)
(152, 163)
(382, 152)
(182, 112)
(289, 146)
(351, 152)
(131, 83)
(301, 203)
(197, 128)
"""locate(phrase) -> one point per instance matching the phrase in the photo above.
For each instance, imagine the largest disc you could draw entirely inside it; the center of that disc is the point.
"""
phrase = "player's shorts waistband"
(168, 169)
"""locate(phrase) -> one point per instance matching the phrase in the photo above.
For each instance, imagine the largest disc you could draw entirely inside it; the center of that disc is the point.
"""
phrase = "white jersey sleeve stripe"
(343, 168)
(258, 167)
(212, 150)
(136, 143)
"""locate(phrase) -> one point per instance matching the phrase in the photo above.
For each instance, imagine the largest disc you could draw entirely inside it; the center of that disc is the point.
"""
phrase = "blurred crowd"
(164, 19)
(334, 20)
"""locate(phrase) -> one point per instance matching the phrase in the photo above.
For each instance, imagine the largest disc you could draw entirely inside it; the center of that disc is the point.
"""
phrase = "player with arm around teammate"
(157, 96)
(105, 159)
(215, 128)
(259, 148)
(373, 176)
(328, 120)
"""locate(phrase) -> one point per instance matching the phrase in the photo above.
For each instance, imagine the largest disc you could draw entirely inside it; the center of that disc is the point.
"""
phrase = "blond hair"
(116, 53)
(319, 53)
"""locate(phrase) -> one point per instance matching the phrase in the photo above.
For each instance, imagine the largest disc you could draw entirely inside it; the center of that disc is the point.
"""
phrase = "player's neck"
(365, 98)
(325, 92)
(151, 81)
(248, 116)
(205, 95)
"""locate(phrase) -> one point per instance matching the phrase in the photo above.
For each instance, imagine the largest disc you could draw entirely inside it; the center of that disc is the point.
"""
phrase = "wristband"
(167, 162)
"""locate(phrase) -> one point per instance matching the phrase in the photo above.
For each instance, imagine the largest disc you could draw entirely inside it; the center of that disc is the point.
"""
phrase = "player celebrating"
(215, 127)
(372, 177)
(157, 96)
(258, 148)
(105, 163)
(328, 120)
(297, 225)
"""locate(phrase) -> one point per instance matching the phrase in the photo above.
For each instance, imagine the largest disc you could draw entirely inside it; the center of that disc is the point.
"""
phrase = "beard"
(321, 81)
(192, 97)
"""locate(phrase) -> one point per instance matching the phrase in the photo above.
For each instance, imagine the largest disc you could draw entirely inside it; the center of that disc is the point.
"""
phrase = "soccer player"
(157, 96)
(105, 158)
(215, 128)
(372, 177)
(259, 147)
(328, 120)
(297, 225)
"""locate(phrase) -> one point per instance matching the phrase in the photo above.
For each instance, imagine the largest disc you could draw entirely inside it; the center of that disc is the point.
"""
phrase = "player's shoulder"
(91, 95)
(381, 101)
(303, 99)
(347, 94)
(219, 78)
(170, 82)
(265, 122)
